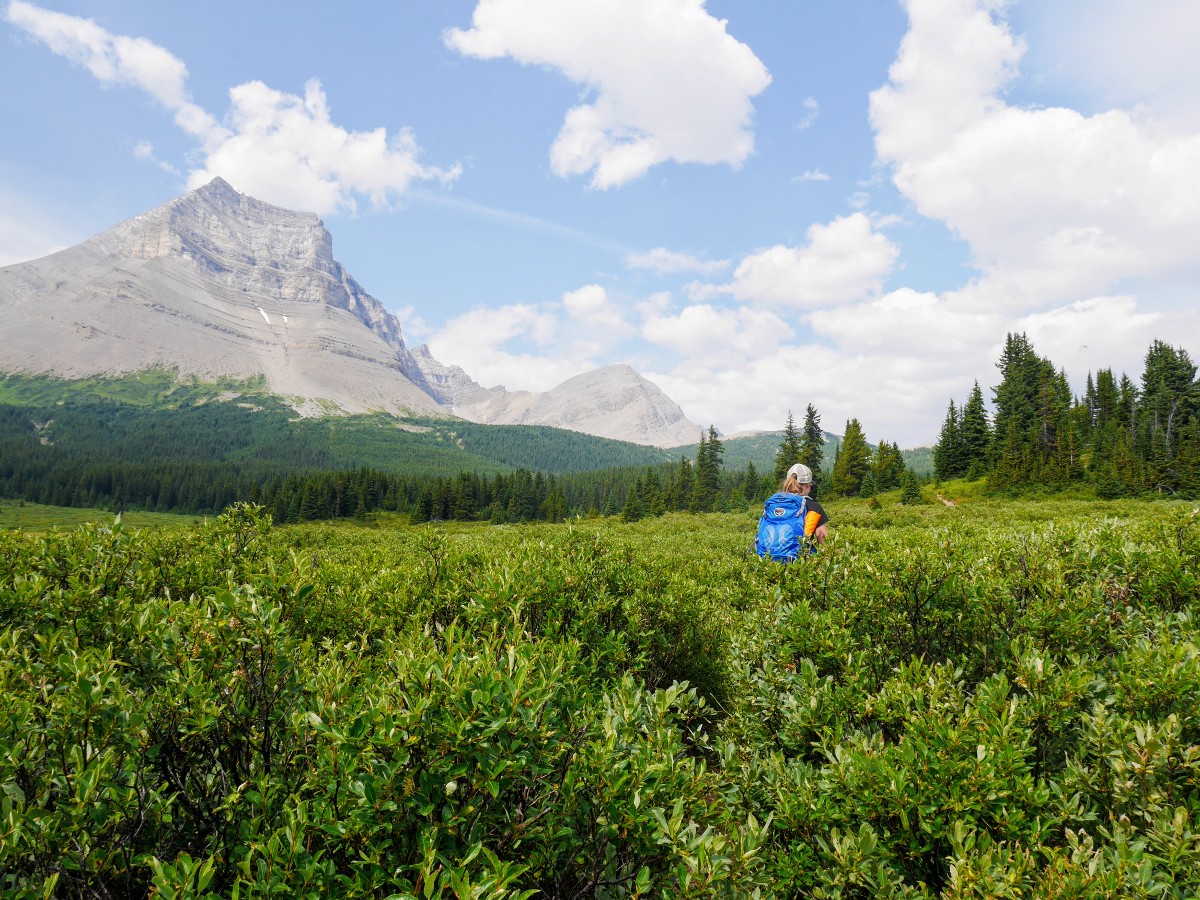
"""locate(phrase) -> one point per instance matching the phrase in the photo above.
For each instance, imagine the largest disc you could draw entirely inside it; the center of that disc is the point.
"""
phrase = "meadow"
(995, 699)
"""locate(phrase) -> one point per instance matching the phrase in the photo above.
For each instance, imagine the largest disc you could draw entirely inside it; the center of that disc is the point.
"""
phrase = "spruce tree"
(683, 484)
(975, 435)
(853, 461)
(1169, 400)
(706, 491)
(789, 451)
(910, 488)
(812, 442)
(887, 466)
(750, 483)
(948, 452)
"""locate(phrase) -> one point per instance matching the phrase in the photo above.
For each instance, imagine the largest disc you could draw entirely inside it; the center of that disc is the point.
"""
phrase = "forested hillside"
(150, 419)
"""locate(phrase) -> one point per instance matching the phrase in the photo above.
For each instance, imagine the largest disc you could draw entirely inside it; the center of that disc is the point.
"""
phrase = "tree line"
(1121, 437)
(70, 475)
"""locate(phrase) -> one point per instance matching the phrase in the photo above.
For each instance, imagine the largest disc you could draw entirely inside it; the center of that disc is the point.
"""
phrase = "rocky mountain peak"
(218, 283)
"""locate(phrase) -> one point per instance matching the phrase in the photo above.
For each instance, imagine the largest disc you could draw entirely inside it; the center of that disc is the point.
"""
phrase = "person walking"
(791, 519)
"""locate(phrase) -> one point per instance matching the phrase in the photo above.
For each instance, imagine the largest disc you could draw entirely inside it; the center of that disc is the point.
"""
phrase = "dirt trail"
(945, 501)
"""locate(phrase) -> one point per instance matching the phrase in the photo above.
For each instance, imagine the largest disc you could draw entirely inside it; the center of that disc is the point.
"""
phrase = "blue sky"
(757, 205)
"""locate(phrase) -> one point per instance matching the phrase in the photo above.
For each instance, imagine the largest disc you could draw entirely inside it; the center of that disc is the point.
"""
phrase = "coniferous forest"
(1122, 437)
(172, 449)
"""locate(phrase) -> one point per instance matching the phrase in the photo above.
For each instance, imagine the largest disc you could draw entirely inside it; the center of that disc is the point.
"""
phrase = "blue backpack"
(781, 527)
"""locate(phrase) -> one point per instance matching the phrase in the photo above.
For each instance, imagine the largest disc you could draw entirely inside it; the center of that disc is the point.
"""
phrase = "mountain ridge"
(217, 284)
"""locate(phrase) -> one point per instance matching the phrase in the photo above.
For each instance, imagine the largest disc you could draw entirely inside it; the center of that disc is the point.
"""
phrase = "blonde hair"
(791, 485)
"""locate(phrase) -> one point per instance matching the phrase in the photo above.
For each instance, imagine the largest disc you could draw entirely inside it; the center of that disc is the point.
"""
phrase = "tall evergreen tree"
(706, 492)
(887, 466)
(812, 442)
(789, 452)
(975, 435)
(852, 462)
(751, 483)
(948, 451)
(1170, 399)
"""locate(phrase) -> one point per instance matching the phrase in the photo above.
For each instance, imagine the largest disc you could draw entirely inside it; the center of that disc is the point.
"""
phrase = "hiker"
(791, 519)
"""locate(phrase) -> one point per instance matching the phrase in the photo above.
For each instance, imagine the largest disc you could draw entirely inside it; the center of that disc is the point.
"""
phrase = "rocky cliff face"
(213, 283)
(216, 283)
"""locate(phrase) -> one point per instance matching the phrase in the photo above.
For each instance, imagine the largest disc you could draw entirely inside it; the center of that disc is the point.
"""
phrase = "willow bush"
(999, 699)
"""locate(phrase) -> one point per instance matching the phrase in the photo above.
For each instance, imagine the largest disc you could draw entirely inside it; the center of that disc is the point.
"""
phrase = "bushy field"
(999, 699)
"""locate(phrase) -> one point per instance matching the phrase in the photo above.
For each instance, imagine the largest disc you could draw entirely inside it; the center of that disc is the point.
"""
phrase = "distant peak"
(218, 186)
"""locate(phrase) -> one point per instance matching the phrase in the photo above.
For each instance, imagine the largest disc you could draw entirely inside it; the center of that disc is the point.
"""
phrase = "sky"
(758, 206)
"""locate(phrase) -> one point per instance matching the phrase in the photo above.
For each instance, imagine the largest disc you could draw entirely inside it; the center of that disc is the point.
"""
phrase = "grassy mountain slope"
(152, 417)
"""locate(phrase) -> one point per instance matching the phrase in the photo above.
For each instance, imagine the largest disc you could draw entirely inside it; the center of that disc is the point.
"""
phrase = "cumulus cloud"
(288, 149)
(1099, 50)
(843, 261)
(481, 340)
(905, 319)
(534, 347)
(1049, 197)
(891, 393)
(667, 81)
(591, 307)
(279, 147)
(1102, 332)
(718, 337)
(665, 261)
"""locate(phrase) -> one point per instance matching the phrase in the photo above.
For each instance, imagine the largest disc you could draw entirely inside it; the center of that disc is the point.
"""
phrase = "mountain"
(216, 284)
(213, 284)
(614, 402)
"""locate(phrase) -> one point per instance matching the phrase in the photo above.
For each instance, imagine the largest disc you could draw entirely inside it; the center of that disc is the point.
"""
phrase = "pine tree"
(812, 443)
(633, 510)
(869, 486)
(975, 435)
(789, 452)
(853, 461)
(887, 466)
(683, 484)
(750, 484)
(948, 451)
(1170, 399)
(910, 488)
(706, 491)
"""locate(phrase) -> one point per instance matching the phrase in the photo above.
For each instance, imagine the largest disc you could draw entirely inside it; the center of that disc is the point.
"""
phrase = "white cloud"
(1051, 199)
(1103, 332)
(892, 394)
(286, 149)
(116, 60)
(279, 147)
(714, 337)
(844, 261)
(665, 261)
(478, 340)
(907, 321)
(811, 175)
(413, 325)
(811, 111)
(668, 81)
(591, 307)
(145, 150)
(1115, 53)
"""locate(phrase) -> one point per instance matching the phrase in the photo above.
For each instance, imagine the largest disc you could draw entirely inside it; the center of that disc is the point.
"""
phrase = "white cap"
(802, 472)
